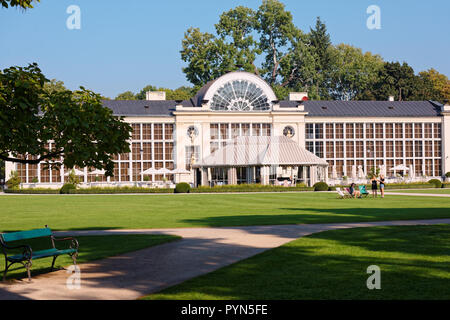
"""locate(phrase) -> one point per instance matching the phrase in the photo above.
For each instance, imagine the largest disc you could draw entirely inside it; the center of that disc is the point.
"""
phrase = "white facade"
(239, 104)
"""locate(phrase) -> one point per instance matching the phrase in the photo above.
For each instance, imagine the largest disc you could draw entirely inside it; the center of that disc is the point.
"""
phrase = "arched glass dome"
(240, 95)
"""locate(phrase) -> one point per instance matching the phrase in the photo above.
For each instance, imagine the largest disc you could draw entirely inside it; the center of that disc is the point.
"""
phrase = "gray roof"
(372, 108)
(253, 151)
(323, 108)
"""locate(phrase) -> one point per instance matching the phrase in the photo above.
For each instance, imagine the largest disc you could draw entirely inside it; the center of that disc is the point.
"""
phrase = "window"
(224, 131)
(437, 149)
(169, 151)
(369, 130)
(428, 130)
(417, 130)
(158, 149)
(379, 130)
(437, 168)
(214, 130)
(359, 131)
(349, 131)
(240, 95)
(146, 131)
(428, 167)
(158, 131)
(45, 173)
(409, 152)
(418, 149)
(56, 174)
(399, 149)
(319, 149)
(309, 131)
(398, 131)
(256, 129)
(330, 149)
(235, 131)
(136, 151)
(245, 127)
(266, 129)
(329, 131)
(124, 171)
(339, 149)
(389, 130)
(136, 134)
(147, 151)
(428, 149)
(408, 130)
(168, 131)
(359, 149)
(319, 131)
(339, 130)
(418, 167)
(437, 130)
(350, 148)
(214, 146)
(370, 149)
(310, 146)
(379, 149)
(389, 149)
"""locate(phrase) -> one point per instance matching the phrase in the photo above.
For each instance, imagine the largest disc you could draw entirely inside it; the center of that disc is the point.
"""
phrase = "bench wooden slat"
(23, 235)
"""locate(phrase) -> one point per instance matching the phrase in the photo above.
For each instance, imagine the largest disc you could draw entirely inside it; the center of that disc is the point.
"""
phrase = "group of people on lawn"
(355, 192)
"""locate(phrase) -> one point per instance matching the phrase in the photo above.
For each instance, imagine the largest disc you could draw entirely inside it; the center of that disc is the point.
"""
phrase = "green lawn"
(205, 210)
(414, 263)
(434, 191)
(91, 248)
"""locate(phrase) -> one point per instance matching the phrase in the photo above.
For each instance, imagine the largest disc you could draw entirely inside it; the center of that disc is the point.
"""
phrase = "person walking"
(374, 186)
(382, 184)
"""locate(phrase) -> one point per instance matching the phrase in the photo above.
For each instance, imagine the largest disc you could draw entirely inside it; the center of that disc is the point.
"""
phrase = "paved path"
(418, 194)
(202, 250)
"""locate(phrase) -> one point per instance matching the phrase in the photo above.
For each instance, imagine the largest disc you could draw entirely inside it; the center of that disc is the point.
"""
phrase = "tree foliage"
(24, 4)
(83, 133)
(267, 42)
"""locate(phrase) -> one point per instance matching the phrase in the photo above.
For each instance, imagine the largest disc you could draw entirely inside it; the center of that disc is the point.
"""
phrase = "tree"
(127, 95)
(397, 80)
(439, 82)
(2, 169)
(82, 131)
(277, 34)
(53, 86)
(24, 4)
(352, 71)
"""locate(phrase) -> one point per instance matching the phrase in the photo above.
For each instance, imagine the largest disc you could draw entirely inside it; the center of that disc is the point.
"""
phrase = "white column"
(445, 133)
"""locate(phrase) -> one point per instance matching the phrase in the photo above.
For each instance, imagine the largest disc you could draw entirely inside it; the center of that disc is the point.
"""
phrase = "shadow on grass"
(331, 215)
(332, 265)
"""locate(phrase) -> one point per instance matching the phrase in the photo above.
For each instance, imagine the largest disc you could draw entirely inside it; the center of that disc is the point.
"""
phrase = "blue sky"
(125, 45)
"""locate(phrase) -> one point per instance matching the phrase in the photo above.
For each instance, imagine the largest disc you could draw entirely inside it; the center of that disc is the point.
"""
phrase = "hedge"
(249, 188)
(32, 191)
(112, 190)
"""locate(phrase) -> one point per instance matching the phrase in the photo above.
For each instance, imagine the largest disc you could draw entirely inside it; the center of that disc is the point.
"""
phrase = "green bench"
(27, 255)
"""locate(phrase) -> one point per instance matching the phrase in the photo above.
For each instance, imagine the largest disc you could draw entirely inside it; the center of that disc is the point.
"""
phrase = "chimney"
(298, 96)
(155, 95)
(391, 98)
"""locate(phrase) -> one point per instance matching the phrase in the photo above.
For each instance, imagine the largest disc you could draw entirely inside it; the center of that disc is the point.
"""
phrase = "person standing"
(374, 186)
(382, 184)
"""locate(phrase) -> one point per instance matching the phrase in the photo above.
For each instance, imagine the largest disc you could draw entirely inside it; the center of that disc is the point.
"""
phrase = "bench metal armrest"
(27, 252)
(73, 243)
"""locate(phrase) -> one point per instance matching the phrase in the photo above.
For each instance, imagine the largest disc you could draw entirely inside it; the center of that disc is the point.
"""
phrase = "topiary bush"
(65, 189)
(320, 186)
(437, 183)
(182, 187)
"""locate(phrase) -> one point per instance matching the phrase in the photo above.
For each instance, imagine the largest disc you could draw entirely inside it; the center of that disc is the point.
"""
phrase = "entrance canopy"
(261, 151)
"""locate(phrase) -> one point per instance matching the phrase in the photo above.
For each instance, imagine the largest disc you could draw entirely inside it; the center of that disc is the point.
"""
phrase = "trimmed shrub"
(447, 175)
(332, 188)
(65, 189)
(437, 183)
(33, 191)
(320, 186)
(182, 187)
(14, 181)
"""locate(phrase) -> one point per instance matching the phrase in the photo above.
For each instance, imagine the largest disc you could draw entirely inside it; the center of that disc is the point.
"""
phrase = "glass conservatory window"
(240, 95)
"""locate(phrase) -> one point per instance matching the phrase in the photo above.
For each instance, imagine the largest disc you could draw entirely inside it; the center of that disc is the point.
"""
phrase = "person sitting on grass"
(374, 186)
(354, 191)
